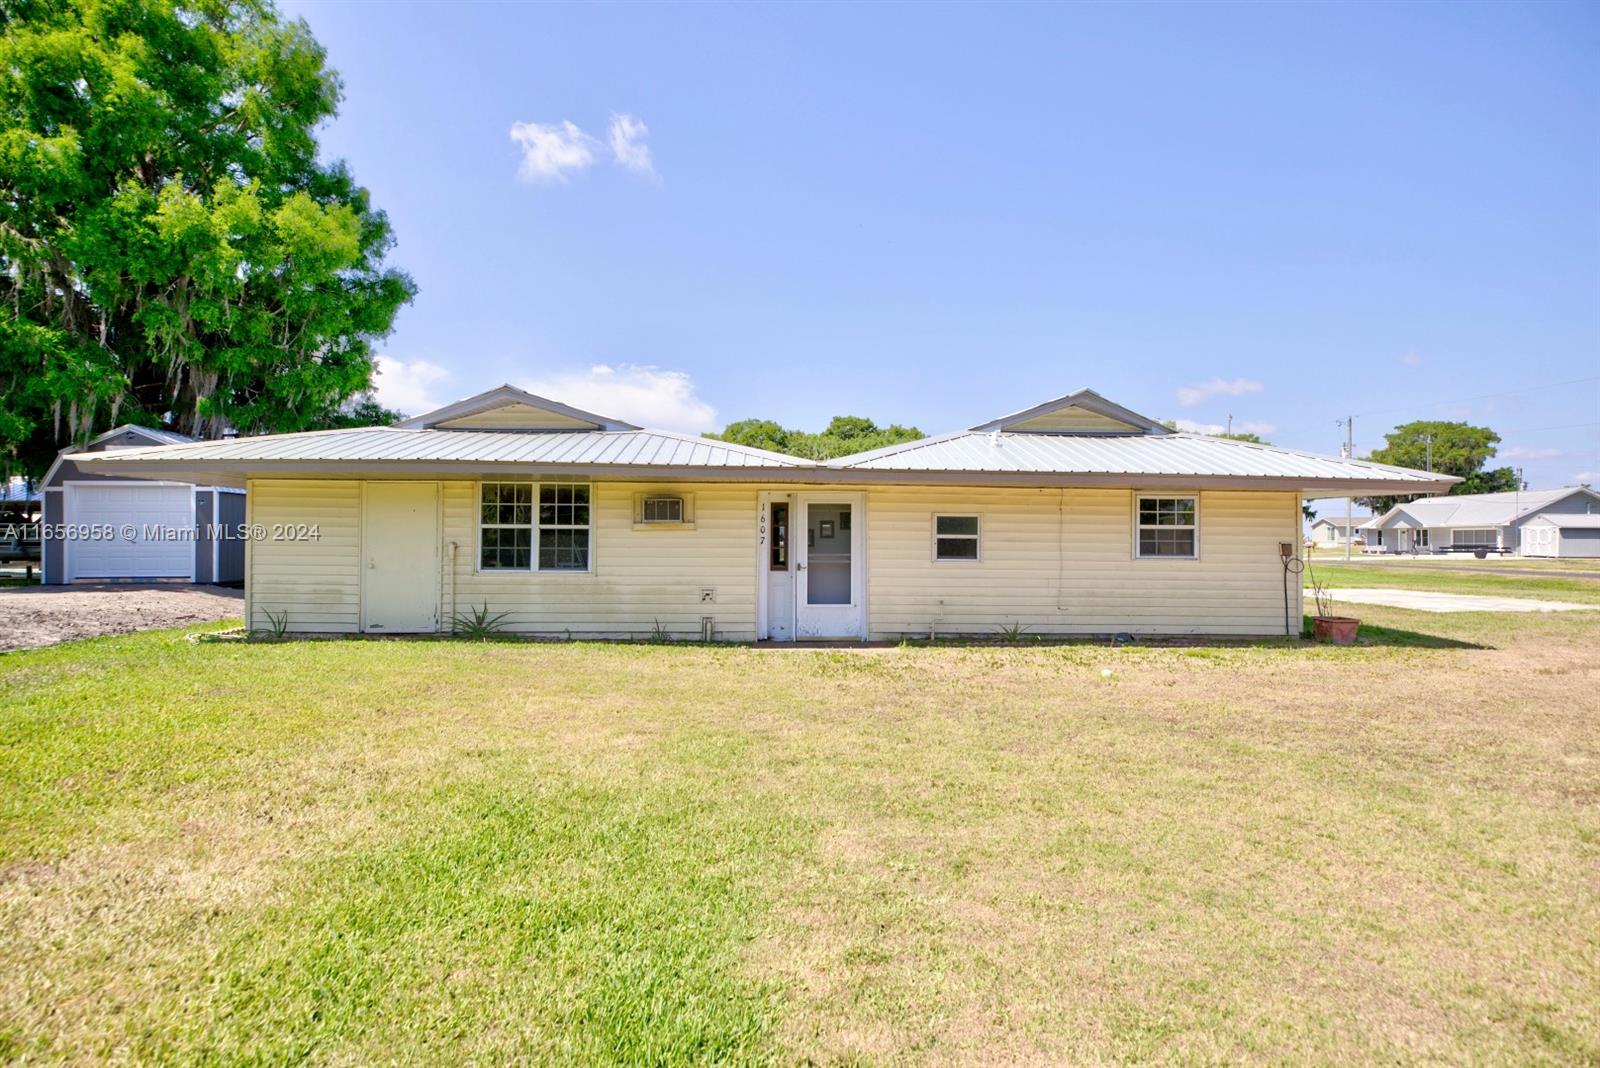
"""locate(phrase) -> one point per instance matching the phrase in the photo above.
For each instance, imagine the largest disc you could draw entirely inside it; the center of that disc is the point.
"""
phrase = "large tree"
(172, 251)
(845, 435)
(1458, 449)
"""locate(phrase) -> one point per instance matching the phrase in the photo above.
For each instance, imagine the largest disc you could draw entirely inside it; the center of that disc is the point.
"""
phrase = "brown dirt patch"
(44, 615)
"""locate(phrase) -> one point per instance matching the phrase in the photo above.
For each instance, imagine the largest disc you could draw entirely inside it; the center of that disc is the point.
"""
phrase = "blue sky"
(938, 214)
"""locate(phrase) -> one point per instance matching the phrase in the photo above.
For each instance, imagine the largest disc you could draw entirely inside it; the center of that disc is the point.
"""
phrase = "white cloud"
(1522, 452)
(549, 152)
(1411, 359)
(408, 386)
(1189, 426)
(1189, 396)
(1587, 478)
(627, 136)
(638, 393)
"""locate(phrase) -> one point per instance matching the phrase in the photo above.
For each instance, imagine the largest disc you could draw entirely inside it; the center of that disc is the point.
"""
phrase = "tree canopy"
(172, 251)
(844, 435)
(1458, 449)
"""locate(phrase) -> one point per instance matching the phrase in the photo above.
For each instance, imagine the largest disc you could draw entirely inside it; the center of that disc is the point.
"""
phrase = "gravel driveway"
(44, 615)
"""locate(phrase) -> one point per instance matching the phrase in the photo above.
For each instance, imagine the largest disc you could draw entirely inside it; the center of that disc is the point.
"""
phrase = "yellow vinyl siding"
(1070, 419)
(316, 581)
(517, 417)
(1061, 562)
(637, 577)
(1056, 561)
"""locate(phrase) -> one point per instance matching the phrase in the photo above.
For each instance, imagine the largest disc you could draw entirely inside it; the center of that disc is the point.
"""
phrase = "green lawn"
(344, 852)
(1407, 576)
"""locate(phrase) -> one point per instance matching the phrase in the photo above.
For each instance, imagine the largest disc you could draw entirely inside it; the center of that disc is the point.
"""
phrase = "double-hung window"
(1167, 527)
(955, 537)
(534, 526)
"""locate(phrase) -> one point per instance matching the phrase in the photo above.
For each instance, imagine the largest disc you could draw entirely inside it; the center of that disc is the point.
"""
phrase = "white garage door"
(118, 507)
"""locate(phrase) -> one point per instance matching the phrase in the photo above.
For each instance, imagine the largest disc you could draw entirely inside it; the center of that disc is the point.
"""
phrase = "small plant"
(659, 633)
(1013, 633)
(277, 627)
(1321, 596)
(478, 624)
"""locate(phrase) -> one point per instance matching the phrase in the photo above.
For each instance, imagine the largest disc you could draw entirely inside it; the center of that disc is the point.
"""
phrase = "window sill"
(663, 526)
(510, 572)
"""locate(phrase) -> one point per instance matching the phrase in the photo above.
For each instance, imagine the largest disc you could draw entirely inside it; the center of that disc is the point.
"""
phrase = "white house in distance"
(89, 514)
(1329, 530)
(1554, 522)
(1074, 517)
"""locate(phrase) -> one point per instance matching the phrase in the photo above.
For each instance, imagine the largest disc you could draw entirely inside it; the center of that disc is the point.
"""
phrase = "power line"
(1481, 396)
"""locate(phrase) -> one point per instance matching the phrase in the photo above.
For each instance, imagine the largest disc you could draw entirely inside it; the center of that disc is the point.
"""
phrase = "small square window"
(955, 537)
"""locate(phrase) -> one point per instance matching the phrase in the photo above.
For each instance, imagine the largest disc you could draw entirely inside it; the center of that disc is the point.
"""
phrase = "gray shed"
(1554, 534)
(105, 528)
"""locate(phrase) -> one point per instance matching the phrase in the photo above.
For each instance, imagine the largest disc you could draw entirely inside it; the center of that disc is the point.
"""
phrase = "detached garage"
(1557, 535)
(106, 529)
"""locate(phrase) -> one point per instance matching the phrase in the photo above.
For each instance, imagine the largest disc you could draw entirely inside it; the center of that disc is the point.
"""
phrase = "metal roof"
(1476, 509)
(1133, 455)
(1574, 522)
(1086, 399)
(503, 396)
(625, 448)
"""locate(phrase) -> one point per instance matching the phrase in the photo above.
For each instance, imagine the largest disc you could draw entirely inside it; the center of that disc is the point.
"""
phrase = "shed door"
(400, 539)
(151, 530)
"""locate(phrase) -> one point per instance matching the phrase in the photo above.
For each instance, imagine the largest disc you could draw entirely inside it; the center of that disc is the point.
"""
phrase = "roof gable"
(1083, 412)
(509, 408)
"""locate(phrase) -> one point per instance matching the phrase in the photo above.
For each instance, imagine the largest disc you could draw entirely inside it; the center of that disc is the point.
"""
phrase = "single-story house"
(1477, 520)
(1331, 530)
(1074, 517)
(1561, 534)
(106, 526)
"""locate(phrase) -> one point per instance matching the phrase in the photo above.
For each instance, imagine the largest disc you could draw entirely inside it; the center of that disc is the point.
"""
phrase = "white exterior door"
(776, 568)
(400, 543)
(829, 549)
(136, 517)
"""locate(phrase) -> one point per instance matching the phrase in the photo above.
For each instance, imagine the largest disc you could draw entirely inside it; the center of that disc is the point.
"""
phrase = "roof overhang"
(237, 473)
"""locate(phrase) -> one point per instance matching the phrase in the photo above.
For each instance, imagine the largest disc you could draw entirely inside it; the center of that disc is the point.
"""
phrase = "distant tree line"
(843, 436)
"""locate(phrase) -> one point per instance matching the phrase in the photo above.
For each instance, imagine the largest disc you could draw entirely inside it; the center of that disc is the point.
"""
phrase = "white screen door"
(828, 548)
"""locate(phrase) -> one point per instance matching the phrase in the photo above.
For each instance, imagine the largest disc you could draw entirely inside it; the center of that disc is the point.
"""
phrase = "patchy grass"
(441, 851)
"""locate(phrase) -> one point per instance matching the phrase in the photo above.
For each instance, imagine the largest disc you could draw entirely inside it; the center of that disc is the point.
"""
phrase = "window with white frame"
(533, 526)
(1167, 527)
(955, 537)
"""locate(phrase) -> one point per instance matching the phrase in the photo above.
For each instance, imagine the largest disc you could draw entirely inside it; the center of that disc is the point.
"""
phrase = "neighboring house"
(1479, 520)
(1331, 530)
(103, 526)
(1559, 534)
(1077, 516)
(19, 521)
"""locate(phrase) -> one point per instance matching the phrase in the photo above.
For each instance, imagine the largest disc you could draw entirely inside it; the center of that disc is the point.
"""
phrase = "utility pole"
(1349, 502)
(1230, 424)
(1429, 439)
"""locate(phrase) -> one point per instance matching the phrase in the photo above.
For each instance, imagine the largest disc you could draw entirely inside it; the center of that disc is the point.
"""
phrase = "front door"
(400, 543)
(827, 544)
(777, 567)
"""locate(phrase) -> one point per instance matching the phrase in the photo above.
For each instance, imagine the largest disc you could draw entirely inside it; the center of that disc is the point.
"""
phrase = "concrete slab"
(1426, 601)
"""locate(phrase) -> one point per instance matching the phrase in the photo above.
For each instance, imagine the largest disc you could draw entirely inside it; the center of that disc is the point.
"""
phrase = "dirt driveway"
(44, 615)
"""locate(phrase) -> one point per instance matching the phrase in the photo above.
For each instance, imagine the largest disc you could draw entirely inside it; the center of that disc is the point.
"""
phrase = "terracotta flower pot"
(1339, 630)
